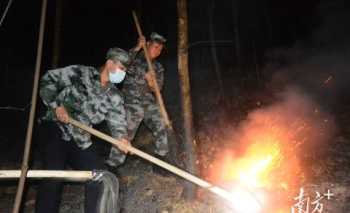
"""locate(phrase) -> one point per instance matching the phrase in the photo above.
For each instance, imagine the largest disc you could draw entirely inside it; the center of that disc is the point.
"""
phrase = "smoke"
(309, 84)
(334, 32)
(290, 135)
(319, 66)
(295, 120)
(323, 75)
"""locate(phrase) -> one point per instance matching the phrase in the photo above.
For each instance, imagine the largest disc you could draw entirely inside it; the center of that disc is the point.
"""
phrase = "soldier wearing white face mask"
(88, 95)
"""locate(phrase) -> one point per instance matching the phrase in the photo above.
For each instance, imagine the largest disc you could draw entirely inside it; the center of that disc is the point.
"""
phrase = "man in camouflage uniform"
(89, 96)
(140, 102)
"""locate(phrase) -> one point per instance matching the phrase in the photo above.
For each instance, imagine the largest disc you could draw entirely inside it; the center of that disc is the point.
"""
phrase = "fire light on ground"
(264, 161)
(257, 172)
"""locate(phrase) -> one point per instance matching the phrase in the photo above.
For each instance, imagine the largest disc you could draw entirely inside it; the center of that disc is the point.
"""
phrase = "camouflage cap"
(117, 54)
(158, 38)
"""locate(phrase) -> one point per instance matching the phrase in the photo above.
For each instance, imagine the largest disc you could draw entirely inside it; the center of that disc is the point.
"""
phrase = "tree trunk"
(235, 4)
(256, 62)
(29, 133)
(57, 34)
(268, 22)
(189, 143)
(213, 48)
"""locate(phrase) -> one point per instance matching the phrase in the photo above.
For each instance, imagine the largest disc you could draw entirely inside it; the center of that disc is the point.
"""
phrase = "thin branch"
(15, 108)
(208, 42)
(213, 48)
(5, 12)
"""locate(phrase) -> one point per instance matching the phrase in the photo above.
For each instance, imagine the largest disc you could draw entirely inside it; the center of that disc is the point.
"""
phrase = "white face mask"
(117, 76)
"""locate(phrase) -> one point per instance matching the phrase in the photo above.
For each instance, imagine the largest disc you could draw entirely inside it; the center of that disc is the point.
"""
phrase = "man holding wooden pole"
(139, 87)
(88, 95)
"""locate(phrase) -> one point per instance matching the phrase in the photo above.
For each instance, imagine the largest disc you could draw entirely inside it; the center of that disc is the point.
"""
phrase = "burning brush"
(269, 149)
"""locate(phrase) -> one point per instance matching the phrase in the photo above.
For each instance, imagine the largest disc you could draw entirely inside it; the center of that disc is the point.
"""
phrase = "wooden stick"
(200, 182)
(158, 95)
(78, 176)
(28, 140)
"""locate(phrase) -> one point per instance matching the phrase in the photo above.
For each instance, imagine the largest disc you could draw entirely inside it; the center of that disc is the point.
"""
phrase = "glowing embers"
(254, 168)
(263, 167)
(269, 153)
(250, 176)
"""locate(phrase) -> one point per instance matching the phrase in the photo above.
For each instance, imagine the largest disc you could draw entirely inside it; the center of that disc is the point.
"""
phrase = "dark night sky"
(89, 28)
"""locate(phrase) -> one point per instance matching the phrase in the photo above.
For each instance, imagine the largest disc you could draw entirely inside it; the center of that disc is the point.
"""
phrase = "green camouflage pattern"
(149, 113)
(79, 90)
(116, 54)
(140, 103)
(135, 84)
(158, 38)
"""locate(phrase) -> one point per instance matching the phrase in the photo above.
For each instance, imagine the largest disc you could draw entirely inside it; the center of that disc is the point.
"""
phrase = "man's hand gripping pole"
(156, 91)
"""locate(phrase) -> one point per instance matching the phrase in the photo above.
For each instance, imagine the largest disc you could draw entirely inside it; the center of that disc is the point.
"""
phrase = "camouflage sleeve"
(132, 70)
(116, 118)
(132, 54)
(116, 122)
(53, 83)
(160, 75)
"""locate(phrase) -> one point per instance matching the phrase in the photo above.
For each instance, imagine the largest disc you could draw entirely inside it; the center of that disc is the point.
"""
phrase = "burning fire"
(266, 151)
(265, 163)
(267, 158)
(264, 157)
(253, 169)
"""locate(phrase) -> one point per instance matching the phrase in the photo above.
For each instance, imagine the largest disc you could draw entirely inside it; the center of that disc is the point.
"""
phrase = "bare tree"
(213, 47)
(57, 34)
(235, 7)
(189, 145)
(256, 63)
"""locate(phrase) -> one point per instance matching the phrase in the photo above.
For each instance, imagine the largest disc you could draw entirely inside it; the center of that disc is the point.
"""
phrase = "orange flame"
(265, 161)
(266, 150)
(253, 169)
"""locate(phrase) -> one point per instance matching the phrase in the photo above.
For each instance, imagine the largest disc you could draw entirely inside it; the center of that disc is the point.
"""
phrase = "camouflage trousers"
(149, 113)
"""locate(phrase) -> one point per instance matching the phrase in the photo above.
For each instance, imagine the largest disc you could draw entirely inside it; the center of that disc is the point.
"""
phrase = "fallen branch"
(108, 196)
(208, 42)
(79, 176)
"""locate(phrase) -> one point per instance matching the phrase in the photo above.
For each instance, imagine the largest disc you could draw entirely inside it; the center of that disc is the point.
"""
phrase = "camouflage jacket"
(79, 90)
(135, 86)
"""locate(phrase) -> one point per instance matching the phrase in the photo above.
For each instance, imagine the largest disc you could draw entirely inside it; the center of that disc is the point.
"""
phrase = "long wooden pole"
(28, 141)
(200, 182)
(79, 176)
(157, 93)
